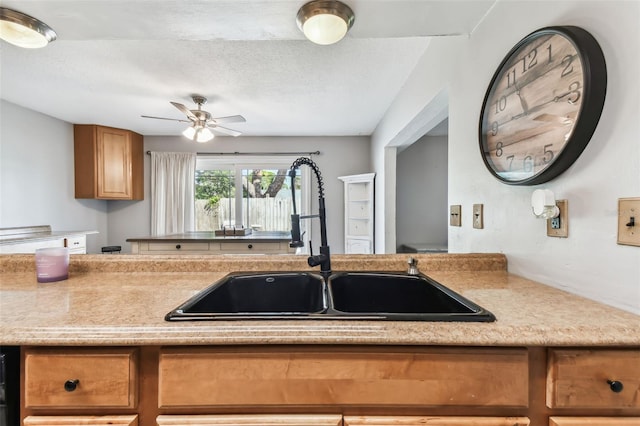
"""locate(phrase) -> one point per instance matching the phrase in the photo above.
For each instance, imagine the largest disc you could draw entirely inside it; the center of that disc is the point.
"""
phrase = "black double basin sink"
(344, 295)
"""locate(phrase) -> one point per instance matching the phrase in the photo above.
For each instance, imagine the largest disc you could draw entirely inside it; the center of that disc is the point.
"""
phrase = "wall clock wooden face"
(542, 105)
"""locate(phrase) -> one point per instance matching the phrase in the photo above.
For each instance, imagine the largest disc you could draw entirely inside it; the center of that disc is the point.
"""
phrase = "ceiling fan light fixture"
(23, 30)
(198, 133)
(204, 135)
(325, 21)
(189, 132)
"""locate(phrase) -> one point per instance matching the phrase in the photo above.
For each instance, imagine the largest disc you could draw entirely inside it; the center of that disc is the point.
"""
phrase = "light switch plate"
(478, 220)
(455, 215)
(561, 229)
(628, 228)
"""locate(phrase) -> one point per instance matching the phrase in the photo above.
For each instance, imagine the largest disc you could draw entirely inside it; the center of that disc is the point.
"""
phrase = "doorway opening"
(421, 193)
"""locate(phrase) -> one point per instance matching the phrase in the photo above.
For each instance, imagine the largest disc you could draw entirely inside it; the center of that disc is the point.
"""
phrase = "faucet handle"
(413, 266)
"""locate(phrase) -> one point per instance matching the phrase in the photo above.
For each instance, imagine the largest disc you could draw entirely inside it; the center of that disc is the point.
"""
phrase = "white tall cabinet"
(358, 213)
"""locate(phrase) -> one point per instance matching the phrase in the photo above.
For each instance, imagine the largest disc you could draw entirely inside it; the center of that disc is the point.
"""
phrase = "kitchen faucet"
(324, 258)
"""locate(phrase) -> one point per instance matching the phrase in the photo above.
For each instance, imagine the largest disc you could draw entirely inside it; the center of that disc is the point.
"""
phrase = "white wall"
(338, 156)
(37, 178)
(589, 262)
(421, 190)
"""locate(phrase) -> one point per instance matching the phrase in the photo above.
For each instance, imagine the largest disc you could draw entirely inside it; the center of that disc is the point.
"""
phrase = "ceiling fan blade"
(230, 119)
(163, 118)
(224, 130)
(184, 110)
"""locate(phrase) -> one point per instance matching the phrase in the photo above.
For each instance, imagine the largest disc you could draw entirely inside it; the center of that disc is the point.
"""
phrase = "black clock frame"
(593, 92)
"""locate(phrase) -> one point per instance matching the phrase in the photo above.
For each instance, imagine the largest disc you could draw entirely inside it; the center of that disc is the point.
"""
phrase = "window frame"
(237, 163)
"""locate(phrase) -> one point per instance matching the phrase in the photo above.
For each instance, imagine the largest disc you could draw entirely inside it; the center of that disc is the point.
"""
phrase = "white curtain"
(172, 192)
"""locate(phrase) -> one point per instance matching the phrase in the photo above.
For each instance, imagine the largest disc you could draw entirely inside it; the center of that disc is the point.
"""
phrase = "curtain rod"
(253, 153)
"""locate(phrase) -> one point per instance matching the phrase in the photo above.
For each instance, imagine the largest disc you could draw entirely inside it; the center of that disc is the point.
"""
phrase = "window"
(248, 192)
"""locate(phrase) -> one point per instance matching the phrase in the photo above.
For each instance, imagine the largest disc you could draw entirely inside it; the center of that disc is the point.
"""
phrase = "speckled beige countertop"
(122, 300)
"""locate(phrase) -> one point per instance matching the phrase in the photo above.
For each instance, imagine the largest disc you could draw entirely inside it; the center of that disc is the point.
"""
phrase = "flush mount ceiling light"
(325, 22)
(24, 30)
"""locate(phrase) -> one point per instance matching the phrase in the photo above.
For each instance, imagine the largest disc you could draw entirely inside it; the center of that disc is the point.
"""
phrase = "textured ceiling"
(116, 60)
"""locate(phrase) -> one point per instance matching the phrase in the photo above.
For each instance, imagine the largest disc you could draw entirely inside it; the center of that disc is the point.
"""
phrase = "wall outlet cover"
(455, 215)
(478, 220)
(629, 221)
(559, 227)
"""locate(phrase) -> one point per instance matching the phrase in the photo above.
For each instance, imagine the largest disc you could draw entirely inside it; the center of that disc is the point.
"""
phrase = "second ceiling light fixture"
(325, 21)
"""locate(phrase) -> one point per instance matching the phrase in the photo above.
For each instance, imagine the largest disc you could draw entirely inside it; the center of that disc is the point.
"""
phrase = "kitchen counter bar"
(122, 300)
(210, 243)
(211, 237)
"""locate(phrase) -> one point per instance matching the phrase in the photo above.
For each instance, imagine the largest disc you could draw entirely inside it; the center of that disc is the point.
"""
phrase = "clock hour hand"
(525, 108)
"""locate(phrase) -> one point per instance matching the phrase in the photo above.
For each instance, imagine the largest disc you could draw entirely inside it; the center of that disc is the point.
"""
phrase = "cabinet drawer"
(581, 378)
(80, 378)
(178, 247)
(434, 421)
(594, 421)
(347, 377)
(249, 247)
(81, 420)
(76, 244)
(252, 420)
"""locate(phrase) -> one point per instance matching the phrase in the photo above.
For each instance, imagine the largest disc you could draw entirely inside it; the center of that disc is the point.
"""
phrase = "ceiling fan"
(202, 123)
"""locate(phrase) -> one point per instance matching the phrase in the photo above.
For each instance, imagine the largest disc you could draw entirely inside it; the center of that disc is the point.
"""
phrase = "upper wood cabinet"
(109, 163)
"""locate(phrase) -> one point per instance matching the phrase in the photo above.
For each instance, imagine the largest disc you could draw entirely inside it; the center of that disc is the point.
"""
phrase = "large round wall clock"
(542, 105)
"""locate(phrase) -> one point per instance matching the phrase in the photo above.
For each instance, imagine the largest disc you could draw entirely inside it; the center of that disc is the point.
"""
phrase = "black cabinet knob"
(71, 385)
(250, 246)
(615, 385)
(178, 246)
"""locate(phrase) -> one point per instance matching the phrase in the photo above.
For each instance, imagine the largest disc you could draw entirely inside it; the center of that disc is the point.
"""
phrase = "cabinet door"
(594, 421)
(434, 421)
(108, 163)
(113, 150)
(131, 420)
(251, 420)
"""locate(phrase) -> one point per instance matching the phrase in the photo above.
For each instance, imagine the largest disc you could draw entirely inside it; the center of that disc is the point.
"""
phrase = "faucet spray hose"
(309, 162)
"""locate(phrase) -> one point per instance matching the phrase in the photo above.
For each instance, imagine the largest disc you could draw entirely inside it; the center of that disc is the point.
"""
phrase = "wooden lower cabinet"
(81, 421)
(333, 385)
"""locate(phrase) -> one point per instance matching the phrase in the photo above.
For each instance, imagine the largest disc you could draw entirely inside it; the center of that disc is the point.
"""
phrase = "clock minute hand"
(556, 99)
